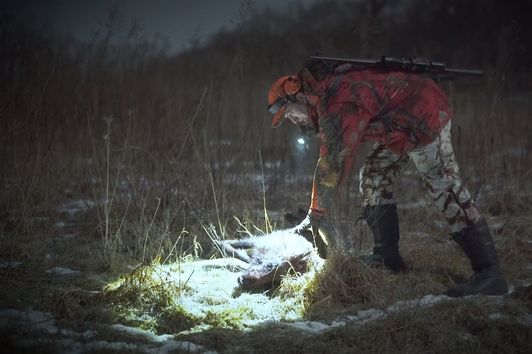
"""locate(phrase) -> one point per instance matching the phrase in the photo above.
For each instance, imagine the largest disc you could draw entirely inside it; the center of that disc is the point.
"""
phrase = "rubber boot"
(384, 222)
(476, 242)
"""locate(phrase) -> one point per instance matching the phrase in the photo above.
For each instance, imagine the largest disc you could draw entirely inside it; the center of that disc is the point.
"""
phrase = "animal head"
(269, 257)
(269, 272)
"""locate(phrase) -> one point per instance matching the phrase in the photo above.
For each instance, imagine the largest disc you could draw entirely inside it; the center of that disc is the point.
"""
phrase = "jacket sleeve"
(341, 131)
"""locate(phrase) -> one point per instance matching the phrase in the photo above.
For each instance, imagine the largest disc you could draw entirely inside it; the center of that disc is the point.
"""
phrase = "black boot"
(476, 242)
(384, 222)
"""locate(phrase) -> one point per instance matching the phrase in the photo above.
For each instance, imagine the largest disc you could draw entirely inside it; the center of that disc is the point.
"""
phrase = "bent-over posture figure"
(407, 116)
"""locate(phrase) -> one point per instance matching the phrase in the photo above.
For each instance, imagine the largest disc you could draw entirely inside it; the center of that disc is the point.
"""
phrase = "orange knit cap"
(282, 92)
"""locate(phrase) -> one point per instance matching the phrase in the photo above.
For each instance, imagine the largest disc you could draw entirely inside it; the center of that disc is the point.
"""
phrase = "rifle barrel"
(345, 60)
(466, 72)
(434, 68)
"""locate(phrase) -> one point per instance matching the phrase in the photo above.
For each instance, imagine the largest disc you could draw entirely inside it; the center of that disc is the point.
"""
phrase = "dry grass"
(451, 327)
(163, 144)
(176, 150)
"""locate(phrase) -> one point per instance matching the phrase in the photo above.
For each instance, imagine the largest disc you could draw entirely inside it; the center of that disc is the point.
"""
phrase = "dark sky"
(178, 20)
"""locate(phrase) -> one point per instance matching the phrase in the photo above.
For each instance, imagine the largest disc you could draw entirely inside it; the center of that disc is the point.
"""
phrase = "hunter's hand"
(310, 222)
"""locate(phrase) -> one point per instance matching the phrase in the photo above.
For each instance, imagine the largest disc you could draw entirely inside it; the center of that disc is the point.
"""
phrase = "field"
(120, 164)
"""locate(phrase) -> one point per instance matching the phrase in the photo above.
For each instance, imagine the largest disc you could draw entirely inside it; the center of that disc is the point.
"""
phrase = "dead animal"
(270, 256)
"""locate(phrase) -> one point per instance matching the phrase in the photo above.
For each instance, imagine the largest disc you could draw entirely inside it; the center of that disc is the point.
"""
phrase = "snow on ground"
(72, 210)
(368, 315)
(64, 225)
(10, 264)
(213, 285)
(365, 316)
(67, 236)
(168, 344)
(29, 320)
(77, 206)
(62, 271)
(35, 328)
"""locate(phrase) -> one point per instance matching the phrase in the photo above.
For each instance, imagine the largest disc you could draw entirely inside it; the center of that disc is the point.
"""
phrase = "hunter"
(407, 116)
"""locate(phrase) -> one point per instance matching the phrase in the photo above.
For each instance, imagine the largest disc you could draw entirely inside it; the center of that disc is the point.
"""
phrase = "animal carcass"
(270, 256)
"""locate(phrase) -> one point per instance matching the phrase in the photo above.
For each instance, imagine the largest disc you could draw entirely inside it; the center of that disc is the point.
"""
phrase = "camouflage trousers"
(438, 168)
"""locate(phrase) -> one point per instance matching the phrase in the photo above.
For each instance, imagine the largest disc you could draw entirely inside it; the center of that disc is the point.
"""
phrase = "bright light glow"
(207, 281)
(301, 141)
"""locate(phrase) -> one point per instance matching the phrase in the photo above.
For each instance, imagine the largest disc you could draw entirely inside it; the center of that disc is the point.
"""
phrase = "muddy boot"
(476, 242)
(384, 222)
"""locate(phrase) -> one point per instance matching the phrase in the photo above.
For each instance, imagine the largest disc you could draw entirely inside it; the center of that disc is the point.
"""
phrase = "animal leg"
(236, 248)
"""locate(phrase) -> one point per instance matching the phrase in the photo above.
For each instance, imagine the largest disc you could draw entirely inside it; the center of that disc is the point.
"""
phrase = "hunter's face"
(297, 112)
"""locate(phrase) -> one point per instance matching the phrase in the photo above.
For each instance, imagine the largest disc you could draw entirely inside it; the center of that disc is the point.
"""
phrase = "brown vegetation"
(174, 150)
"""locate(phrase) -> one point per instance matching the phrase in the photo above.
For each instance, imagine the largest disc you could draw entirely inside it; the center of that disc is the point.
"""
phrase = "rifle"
(436, 70)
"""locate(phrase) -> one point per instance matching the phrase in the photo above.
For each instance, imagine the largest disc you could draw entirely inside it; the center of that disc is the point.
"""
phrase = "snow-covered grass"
(201, 295)
(163, 308)
(36, 329)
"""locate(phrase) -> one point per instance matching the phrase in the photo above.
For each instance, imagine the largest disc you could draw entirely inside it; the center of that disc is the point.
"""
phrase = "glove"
(316, 222)
(343, 68)
(311, 222)
(326, 233)
(323, 233)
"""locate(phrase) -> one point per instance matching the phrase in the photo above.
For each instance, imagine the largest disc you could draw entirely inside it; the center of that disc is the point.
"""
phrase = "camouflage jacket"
(399, 110)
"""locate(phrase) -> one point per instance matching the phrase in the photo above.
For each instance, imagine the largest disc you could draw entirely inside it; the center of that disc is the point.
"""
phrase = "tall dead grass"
(168, 145)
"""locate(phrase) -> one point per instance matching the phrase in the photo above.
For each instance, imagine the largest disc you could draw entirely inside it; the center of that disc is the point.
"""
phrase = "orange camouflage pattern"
(397, 110)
